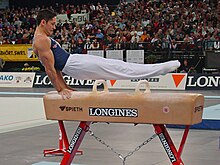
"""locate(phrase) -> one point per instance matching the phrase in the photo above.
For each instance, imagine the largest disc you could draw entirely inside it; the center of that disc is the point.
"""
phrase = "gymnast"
(80, 66)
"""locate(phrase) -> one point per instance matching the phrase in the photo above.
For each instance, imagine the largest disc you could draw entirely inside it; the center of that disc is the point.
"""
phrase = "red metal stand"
(62, 140)
(173, 154)
(160, 129)
(75, 143)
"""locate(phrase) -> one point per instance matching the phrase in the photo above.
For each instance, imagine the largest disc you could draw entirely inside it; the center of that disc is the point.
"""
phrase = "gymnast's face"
(49, 26)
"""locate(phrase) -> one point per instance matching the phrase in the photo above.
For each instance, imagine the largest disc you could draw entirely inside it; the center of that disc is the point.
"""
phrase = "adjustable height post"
(75, 142)
(174, 156)
(62, 140)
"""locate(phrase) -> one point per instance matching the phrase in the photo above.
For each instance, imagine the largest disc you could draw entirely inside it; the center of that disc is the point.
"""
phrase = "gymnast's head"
(46, 21)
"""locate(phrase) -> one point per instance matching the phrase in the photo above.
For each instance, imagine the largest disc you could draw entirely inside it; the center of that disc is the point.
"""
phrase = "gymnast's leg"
(84, 66)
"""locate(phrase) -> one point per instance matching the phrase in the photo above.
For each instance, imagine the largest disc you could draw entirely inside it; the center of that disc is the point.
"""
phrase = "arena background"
(26, 3)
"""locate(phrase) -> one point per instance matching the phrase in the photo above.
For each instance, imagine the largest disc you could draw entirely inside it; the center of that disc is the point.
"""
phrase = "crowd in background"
(162, 23)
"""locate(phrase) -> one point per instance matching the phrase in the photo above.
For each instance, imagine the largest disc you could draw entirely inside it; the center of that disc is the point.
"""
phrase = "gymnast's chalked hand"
(65, 93)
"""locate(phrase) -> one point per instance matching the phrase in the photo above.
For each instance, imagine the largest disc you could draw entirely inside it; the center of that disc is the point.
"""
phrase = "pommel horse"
(139, 107)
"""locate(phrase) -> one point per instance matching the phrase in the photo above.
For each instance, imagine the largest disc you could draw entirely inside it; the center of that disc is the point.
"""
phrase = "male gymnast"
(80, 66)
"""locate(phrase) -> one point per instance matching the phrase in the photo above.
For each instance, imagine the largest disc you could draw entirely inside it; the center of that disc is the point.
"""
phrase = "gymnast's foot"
(171, 66)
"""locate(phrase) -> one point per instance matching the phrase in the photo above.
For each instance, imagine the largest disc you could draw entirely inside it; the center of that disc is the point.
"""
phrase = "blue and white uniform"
(85, 66)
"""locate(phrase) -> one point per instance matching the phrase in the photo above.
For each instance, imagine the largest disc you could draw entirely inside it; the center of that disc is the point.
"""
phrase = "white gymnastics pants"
(84, 67)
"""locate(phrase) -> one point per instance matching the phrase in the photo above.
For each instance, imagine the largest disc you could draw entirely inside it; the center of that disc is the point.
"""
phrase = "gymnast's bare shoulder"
(41, 43)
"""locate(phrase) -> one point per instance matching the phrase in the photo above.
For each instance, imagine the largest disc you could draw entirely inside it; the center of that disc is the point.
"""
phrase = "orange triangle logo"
(112, 82)
(177, 78)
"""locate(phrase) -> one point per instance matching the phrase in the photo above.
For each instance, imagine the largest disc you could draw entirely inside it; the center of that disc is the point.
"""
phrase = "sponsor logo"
(43, 80)
(112, 82)
(12, 52)
(167, 148)
(177, 78)
(28, 80)
(74, 140)
(75, 109)
(113, 112)
(203, 81)
(148, 79)
(198, 109)
(18, 79)
(6, 77)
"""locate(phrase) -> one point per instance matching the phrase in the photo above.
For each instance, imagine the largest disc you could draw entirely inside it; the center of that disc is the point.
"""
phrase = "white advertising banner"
(17, 79)
(99, 53)
(114, 54)
(135, 56)
(4, 4)
(79, 18)
(170, 81)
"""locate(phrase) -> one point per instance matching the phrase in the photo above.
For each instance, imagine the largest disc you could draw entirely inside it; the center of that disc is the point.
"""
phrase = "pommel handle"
(98, 82)
(147, 90)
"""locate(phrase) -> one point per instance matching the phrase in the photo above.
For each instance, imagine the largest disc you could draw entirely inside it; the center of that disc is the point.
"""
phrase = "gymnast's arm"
(62, 81)
(46, 57)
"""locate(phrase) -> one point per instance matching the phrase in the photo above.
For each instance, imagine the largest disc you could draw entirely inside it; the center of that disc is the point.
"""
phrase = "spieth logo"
(113, 112)
(198, 109)
(75, 109)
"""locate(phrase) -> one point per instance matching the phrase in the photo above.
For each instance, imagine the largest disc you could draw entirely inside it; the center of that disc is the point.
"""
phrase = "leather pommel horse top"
(124, 107)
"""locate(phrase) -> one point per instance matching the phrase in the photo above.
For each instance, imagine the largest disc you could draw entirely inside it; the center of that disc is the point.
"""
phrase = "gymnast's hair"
(46, 15)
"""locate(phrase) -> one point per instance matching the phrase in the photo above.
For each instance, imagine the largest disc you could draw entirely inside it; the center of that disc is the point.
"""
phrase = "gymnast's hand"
(65, 93)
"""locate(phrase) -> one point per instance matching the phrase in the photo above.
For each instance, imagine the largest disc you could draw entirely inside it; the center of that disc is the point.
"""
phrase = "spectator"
(80, 45)
(78, 34)
(87, 44)
(109, 43)
(65, 44)
(135, 38)
(149, 31)
(209, 42)
(73, 46)
(99, 35)
(111, 31)
(25, 36)
(186, 68)
(2, 63)
(124, 44)
(144, 37)
(57, 36)
(1, 37)
(19, 34)
(188, 39)
(95, 44)
(156, 42)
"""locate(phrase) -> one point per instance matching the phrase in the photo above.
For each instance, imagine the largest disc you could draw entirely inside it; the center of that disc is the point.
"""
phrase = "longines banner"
(203, 82)
(17, 52)
(172, 81)
(42, 81)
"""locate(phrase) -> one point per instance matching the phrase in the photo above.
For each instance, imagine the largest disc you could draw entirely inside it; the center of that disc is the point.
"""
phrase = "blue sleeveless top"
(60, 55)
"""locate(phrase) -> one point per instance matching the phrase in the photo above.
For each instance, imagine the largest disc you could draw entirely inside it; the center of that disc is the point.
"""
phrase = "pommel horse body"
(138, 107)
